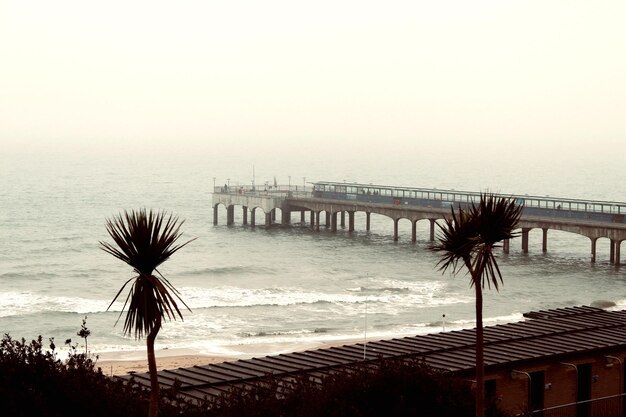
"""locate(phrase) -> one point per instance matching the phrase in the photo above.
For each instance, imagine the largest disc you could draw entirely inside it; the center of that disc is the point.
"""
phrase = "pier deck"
(593, 219)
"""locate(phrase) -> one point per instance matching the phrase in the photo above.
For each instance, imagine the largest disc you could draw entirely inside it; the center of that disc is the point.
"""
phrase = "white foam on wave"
(14, 303)
(198, 298)
(510, 318)
(399, 286)
(391, 297)
(397, 293)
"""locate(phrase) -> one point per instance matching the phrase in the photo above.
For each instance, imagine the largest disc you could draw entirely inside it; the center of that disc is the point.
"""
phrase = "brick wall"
(560, 380)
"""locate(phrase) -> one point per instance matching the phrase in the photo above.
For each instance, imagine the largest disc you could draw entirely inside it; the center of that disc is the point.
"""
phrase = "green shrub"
(34, 382)
(395, 387)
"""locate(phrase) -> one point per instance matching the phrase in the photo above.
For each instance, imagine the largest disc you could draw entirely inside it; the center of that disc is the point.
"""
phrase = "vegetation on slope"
(35, 382)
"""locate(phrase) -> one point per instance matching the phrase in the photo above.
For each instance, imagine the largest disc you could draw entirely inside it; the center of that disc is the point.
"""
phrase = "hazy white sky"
(252, 74)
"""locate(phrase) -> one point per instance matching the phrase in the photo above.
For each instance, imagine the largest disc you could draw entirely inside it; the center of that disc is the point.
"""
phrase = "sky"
(540, 76)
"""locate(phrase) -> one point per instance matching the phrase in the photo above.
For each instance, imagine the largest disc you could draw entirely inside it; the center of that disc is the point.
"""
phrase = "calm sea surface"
(259, 291)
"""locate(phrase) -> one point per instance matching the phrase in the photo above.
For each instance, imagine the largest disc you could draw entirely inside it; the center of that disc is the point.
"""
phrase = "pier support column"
(215, 212)
(333, 222)
(413, 231)
(593, 250)
(343, 219)
(350, 221)
(506, 246)
(268, 219)
(618, 243)
(317, 221)
(312, 219)
(525, 240)
(432, 229)
(302, 216)
(253, 217)
(544, 245)
(245, 215)
(230, 215)
(612, 252)
(327, 219)
(285, 215)
(367, 221)
(273, 214)
(395, 229)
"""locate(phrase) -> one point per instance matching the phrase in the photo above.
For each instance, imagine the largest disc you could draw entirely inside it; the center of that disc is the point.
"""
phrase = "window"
(491, 397)
(536, 391)
(584, 389)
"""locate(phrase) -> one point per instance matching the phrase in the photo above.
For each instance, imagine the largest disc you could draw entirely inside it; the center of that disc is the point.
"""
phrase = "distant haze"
(274, 76)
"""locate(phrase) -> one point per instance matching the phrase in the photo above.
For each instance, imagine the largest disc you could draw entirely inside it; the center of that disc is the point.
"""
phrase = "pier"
(336, 201)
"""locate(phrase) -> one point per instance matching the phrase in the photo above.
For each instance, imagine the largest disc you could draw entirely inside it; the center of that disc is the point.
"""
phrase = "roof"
(544, 335)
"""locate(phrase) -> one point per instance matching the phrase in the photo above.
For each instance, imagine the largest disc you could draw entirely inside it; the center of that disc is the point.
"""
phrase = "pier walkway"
(593, 219)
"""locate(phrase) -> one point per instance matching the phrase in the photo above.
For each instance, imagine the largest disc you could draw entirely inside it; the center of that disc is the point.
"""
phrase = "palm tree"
(144, 241)
(467, 239)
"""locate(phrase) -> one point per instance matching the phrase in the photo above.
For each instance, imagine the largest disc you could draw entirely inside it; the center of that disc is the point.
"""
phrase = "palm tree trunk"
(480, 366)
(152, 368)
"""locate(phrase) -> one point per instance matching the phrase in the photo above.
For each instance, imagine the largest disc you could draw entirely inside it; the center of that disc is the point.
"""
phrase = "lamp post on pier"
(304, 184)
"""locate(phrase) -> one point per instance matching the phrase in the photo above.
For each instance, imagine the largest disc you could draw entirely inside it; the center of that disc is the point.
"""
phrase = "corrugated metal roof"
(544, 334)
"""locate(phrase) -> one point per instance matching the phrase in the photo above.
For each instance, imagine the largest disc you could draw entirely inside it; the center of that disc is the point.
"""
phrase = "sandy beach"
(124, 366)
(120, 363)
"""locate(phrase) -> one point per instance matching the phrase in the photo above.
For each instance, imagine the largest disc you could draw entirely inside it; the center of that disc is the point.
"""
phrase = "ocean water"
(255, 291)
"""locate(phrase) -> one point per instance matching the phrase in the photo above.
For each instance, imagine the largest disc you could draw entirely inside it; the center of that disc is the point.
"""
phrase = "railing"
(565, 208)
(611, 406)
(295, 191)
(604, 211)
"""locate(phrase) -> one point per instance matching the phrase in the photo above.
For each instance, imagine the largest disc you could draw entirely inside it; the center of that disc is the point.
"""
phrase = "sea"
(261, 291)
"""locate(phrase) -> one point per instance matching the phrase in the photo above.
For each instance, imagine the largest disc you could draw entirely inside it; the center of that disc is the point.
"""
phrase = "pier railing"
(453, 196)
(604, 211)
(555, 207)
(286, 191)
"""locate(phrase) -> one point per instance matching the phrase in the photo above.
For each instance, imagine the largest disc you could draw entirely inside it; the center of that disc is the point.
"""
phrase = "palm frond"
(471, 235)
(149, 302)
(172, 289)
(457, 239)
(496, 220)
(487, 269)
(144, 240)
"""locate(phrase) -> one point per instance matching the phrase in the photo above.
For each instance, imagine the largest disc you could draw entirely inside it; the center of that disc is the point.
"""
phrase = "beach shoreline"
(111, 367)
(124, 362)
